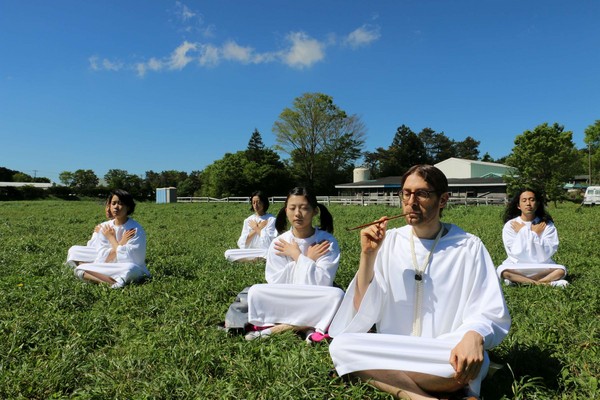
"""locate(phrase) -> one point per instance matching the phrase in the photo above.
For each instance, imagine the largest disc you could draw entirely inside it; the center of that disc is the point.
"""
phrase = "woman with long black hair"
(301, 265)
(530, 239)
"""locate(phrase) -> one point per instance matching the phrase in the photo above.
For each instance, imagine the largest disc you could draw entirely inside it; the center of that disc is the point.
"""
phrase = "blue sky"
(174, 85)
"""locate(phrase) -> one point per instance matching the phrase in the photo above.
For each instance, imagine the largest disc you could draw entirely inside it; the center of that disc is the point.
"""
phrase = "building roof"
(483, 181)
(394, 182)
(21, 184)
(465, 161)
(387, 182)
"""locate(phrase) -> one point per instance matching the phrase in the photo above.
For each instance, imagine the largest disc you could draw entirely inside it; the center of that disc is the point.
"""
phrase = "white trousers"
(81, 254)
(240, 254)
(298, 305)
(127, 272)
(529, 269)
(352, 352)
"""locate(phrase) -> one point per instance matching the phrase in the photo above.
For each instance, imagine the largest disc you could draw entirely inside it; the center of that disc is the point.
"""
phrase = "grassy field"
(61, 338)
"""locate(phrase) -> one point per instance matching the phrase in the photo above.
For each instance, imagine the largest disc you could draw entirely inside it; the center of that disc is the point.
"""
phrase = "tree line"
(324, 144)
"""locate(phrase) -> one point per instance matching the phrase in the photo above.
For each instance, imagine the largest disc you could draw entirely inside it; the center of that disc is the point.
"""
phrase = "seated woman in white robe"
(257, 233)
(121, 257)
(85, 254)
(301, 266)
(530, 240)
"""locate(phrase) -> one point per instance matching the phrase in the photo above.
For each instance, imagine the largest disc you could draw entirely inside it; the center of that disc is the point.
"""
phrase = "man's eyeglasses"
(420, 194)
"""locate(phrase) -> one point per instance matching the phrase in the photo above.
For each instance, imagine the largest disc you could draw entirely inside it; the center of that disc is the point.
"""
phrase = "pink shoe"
(317, 337)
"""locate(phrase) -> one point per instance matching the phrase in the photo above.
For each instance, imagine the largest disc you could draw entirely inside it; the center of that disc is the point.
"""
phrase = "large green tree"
(406, 150)
(438, 146)
(241, 173)
(84, 179)
(121, 179)
(170, 178)
(191, 185)
(592, 139)
(322, 140)
(225, 177)
(116, 178)
(6, 175)
(467, 149)
(545, 158)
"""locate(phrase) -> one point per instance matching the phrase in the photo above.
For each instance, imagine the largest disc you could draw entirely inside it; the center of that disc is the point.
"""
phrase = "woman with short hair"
(257, 232)
(121, 246)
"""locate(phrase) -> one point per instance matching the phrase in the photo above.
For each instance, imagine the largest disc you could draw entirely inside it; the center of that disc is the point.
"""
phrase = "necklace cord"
(419, 271)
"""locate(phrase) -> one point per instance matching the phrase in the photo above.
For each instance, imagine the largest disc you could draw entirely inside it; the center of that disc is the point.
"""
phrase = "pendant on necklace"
(418, 277)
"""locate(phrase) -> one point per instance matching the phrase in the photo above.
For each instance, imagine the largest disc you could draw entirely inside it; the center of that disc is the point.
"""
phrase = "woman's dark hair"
(325, 217)
(512, 209)
(263, 199)
(430, 174)
(125, 198)
(107, 211)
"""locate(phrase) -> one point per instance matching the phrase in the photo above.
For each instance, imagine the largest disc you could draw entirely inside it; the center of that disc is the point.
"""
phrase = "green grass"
(61, 338)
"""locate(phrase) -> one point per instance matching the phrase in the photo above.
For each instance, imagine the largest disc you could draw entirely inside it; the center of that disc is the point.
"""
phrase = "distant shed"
(166, 195)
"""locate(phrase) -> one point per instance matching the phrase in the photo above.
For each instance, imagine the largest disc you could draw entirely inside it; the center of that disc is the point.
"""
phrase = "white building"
(458, 168)
(467, 179)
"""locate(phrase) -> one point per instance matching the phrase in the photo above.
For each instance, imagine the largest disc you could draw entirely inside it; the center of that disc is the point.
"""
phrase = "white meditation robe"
(460, 293)
(86, 254)
(259, 244)
(298, 293)
(130, 262)
(528, 253)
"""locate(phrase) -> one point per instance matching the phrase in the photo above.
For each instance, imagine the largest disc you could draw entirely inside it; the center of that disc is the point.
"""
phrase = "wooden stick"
(375, 222)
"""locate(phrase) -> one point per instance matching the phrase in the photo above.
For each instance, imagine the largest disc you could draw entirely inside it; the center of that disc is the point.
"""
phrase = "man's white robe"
(259, 244)
(298, 293)
(529, 253)
(460, 293)
(130, 262)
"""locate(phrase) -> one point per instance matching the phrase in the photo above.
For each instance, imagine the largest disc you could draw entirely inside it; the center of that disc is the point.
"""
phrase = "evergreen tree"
(406, 150)
(255, 149)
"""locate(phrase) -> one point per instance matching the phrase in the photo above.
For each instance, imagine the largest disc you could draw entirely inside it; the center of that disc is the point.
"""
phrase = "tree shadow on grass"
(526, 362)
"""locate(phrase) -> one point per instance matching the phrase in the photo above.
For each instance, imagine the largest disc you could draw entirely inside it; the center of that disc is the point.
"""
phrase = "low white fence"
(350, 200)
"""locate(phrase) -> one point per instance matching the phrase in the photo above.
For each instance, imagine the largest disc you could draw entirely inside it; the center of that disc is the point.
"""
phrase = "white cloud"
(190, 21)
(155, 64)
(93, 60)
(152, 65)
(234, 52)
(141, 69)
(111, 66)
(184, 12)
(179, 58)
(362, 36)
(210, 56)
(304, 52)
(105, 64)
